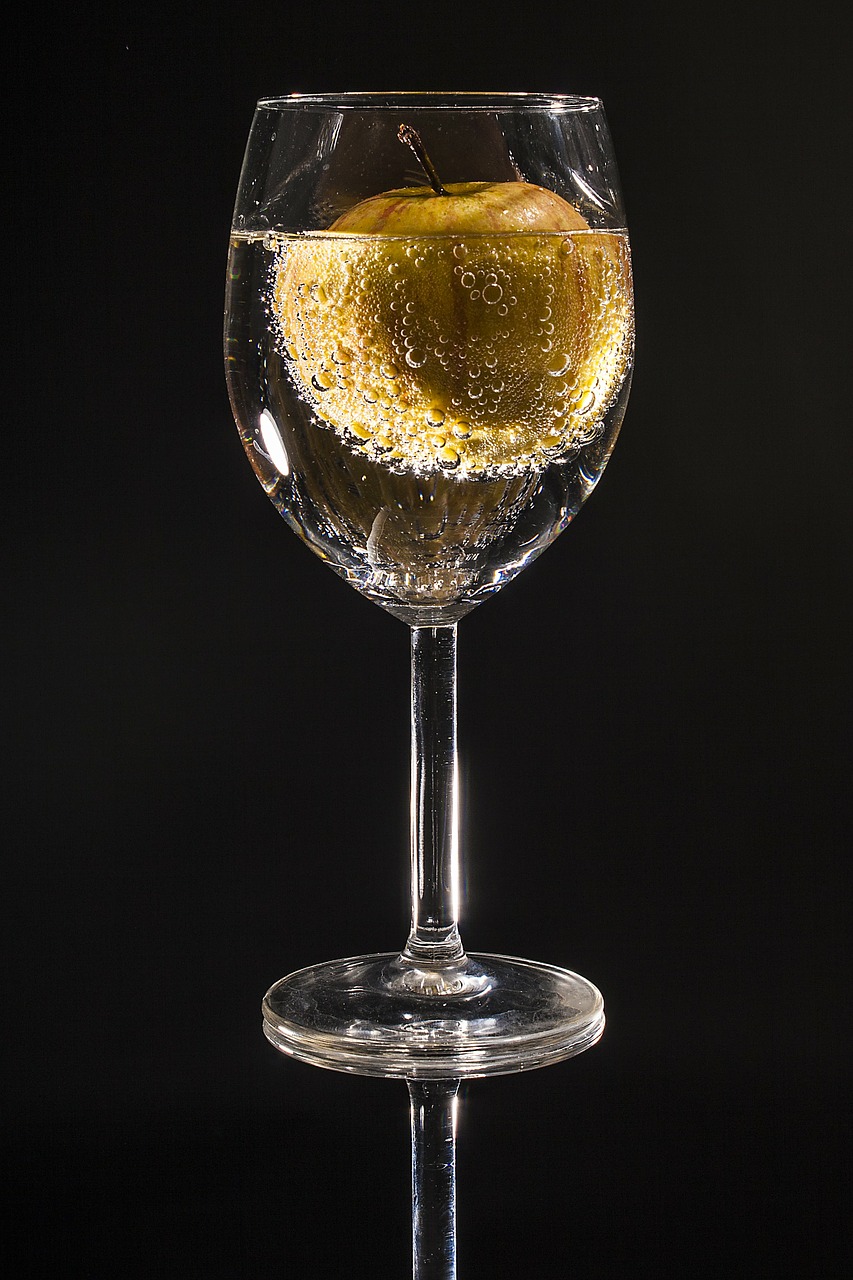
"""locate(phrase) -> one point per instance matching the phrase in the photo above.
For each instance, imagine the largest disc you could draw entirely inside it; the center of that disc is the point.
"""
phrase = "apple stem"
(412, 139)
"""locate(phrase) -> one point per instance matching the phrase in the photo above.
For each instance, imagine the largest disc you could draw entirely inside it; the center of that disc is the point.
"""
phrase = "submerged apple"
(479, 326)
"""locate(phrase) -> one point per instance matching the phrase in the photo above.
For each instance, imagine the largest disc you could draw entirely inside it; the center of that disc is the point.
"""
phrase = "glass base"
(384, 1015)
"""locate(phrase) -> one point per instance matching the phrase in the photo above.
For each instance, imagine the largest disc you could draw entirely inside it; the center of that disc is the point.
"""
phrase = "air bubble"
(388, 370)
(322, 381)
(467, 279)
(435, 416)
(416, 357)
(492, 294)
(559, 364)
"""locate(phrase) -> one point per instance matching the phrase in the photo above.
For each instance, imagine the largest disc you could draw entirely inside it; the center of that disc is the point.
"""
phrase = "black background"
(207, 768)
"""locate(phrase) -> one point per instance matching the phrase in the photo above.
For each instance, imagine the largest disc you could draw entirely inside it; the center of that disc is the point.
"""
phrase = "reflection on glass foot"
(484, 1015)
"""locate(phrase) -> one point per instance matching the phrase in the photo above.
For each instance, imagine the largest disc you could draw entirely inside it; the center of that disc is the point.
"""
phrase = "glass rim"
(467, 100)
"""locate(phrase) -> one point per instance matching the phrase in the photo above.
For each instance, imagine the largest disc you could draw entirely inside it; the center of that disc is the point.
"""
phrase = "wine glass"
(428, 343)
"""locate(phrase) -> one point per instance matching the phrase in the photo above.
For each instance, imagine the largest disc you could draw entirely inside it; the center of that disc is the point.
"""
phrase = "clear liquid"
(429, 413)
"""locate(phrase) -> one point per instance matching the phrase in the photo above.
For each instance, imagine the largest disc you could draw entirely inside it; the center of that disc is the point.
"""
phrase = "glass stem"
(433, 1110)
(434, 938)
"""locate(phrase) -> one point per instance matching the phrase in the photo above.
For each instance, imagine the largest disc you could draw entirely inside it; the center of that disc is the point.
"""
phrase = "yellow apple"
(493, 207)
(485, 328)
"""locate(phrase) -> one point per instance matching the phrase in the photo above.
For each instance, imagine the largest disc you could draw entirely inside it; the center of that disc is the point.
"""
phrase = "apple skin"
(468, 207)
(458, 330)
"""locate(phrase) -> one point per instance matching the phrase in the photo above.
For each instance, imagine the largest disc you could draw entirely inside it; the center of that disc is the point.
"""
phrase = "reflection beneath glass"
(434, 1107)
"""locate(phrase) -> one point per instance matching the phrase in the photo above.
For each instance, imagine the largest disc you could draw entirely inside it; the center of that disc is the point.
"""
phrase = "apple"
(460, 207)
(494, 207)
(479, 326)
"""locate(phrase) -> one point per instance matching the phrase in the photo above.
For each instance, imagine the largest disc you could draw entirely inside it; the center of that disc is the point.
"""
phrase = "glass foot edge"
(517, 1015)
